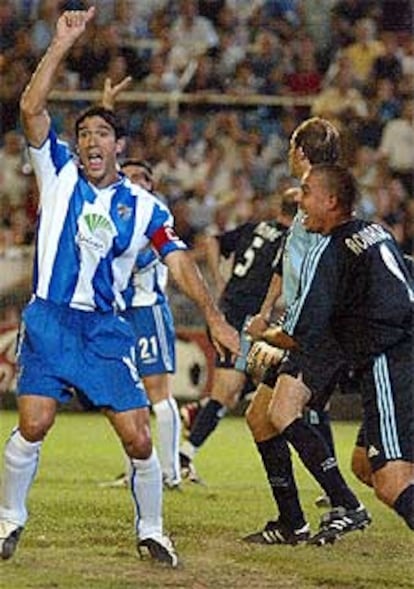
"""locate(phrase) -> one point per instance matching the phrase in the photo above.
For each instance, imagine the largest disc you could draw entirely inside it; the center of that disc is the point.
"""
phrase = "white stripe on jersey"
(385, 402)
(150, 284)
(53, 217)
(160, 329)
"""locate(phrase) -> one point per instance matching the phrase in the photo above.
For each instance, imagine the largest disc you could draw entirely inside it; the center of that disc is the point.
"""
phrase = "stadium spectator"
(44, 25)
(397, 16)
(390, 210)
(192, 35)
(13, 77)
(315, 17)
(160, 78)
(27, 11)
(345, 14)
(13, 181)
(407, 58)
(174, 169)
(388, 64)
(367, 173)
(384, 105)
(396, 147)
(8, 25)
(305, 78)
(265, 55)
(102, 229)
(340, 95)
(363, 52)
(201, 207)
(244, 81)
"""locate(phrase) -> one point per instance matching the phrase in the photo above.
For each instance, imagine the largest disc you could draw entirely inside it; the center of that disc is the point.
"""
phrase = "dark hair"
(319, 140)
(104, 113)
(340, 182)
(145, 166)
(140, 164)
(72, 5)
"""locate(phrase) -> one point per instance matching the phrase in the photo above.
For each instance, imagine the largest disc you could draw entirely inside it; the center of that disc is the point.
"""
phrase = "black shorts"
(236, 318)
(320, 371)
(388, 404)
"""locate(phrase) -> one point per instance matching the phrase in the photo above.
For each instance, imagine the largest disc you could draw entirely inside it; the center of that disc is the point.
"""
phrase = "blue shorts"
(154, 338)
(61, 349)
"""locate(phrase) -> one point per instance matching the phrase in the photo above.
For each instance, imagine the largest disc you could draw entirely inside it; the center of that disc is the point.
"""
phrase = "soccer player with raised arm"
(92, 224)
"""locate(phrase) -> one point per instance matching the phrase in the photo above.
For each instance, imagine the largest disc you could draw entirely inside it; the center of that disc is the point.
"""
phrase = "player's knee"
(256, 413)
(288, 402)
(361, 467)
(227, 398)
(281, 415)
(279, 421)
(139, 445)
(390, 480)
(254, 419)
(385, 492)
(35, 427)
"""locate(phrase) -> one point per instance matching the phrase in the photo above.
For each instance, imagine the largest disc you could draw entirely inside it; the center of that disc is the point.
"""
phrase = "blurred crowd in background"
(351, 61)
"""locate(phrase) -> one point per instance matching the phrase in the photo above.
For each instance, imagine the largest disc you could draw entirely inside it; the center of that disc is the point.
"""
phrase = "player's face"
(138, 175)
(98, 149)
(315, 201)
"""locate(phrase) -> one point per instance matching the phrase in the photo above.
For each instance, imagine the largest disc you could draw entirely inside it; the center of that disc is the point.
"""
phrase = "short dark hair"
(139, 163)
(319, 140)
(144, 165)
(340, 182)
(104, 113)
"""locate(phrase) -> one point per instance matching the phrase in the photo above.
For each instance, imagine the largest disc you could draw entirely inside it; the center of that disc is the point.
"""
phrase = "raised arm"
(187, 275)
(33, 104)
(110, 92)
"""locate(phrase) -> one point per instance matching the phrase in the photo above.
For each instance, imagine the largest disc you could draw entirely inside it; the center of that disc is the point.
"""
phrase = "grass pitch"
(80, 536)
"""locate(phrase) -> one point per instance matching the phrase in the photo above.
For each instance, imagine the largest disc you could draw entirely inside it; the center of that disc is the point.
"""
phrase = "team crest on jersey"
(124, 211)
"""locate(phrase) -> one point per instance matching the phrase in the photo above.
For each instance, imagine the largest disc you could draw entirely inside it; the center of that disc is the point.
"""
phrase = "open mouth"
(95, 162)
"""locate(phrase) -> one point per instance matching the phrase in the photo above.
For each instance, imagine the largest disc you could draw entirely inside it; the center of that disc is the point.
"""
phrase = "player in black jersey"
(355, 289)
(254, 247)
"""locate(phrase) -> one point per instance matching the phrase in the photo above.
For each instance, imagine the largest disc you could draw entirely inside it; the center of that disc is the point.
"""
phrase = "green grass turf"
(81, 536)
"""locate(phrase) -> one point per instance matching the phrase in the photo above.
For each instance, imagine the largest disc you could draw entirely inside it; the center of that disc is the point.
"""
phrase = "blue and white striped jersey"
(149, 281)
(88, 238)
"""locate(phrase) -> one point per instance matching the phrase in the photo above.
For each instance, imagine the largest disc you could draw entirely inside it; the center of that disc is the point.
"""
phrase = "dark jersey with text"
(356, 285)
(255, 247)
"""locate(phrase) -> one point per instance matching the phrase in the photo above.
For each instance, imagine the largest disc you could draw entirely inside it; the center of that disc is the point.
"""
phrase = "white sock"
(169, 434)
(146, 486)
(188, 449)
(20, 463)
